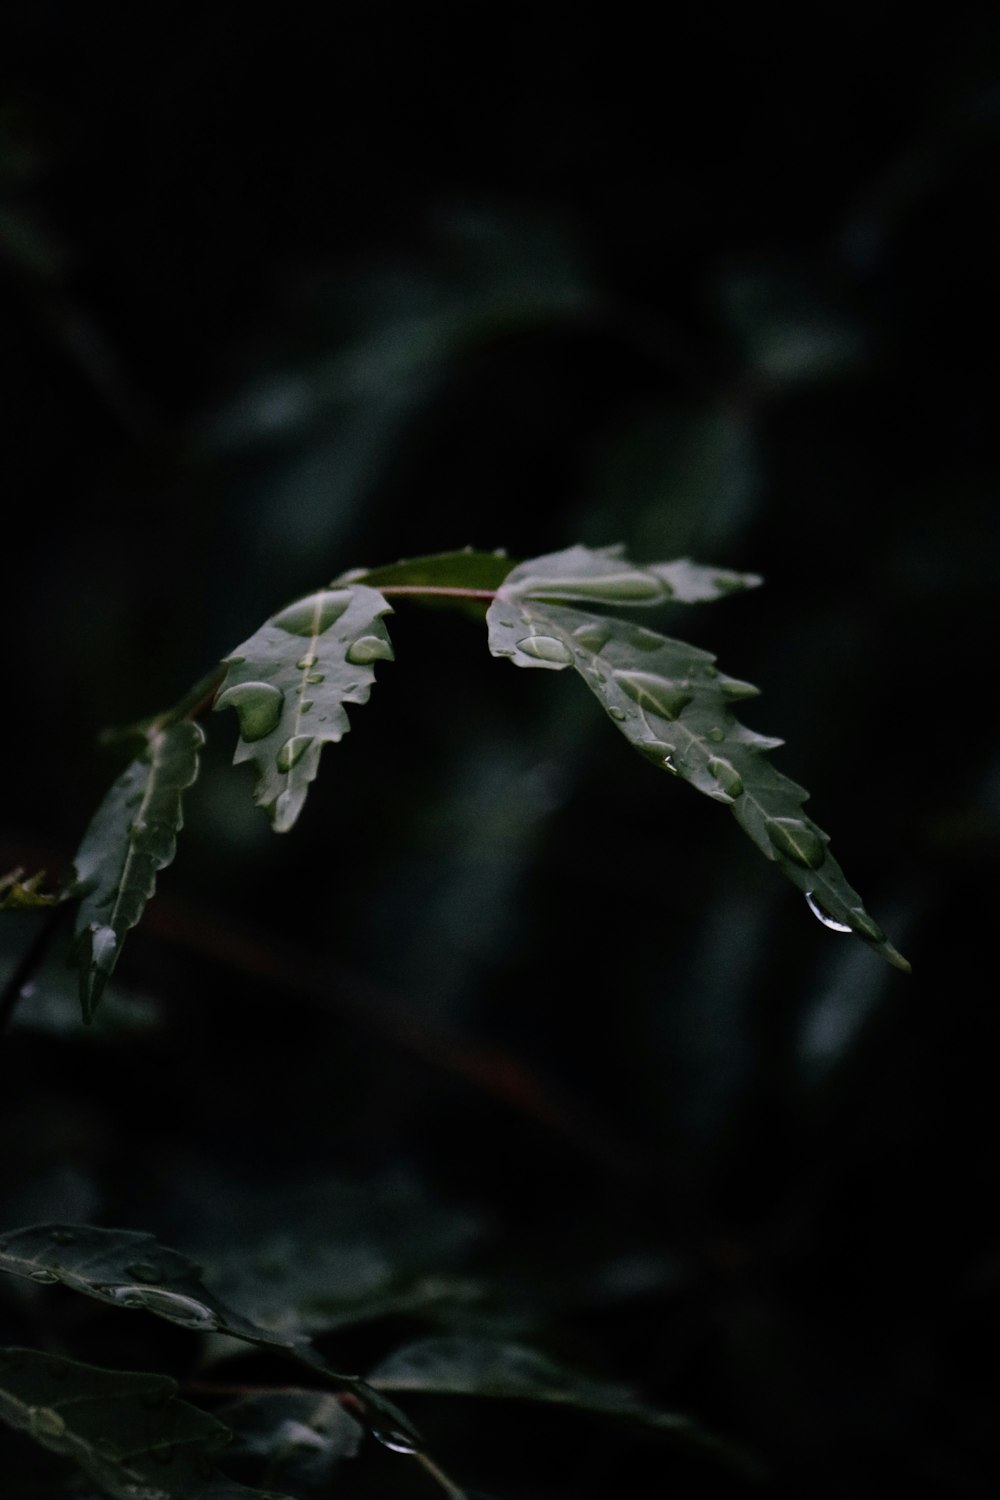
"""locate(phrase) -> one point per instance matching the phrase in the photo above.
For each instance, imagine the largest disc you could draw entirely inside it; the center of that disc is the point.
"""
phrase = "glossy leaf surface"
(290, 681)
(131, 837)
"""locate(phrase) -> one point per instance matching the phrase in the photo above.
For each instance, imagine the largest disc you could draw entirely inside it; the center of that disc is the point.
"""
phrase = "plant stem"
(34, 954)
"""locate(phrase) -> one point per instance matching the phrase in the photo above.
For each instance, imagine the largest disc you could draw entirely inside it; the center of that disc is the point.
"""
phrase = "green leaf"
(131, 837)
(675, 707)
(455, 1366)
(605, 576)
(479, 571)
(130, 1269)
(127, 1432)
(290, 681)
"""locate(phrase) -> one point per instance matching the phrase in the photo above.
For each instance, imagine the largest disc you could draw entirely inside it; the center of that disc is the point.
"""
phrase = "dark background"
(285, 293)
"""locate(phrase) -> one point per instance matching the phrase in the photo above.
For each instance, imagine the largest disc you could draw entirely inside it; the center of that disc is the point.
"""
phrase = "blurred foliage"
(284, 294)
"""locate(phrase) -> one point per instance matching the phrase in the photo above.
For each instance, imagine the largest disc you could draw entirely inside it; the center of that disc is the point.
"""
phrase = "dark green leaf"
(451, 570)
(127, 1432)
(132, 836)
(454, 1366)
(675, 707)
(126, 1268)
(290, 681)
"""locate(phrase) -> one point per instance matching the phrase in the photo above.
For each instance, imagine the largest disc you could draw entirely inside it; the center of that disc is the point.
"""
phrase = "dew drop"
(668, 765)
(734, 689)
(173, 1305)
(592, 636)
(306, 663)
(46, 1423)
(314, 614)
(797, 841)
(144, 1270)
(616, 712)
(306, 704)
(315, 677)
(292, 751)
(664, 697)
(716, 735)
(710, 671)
(258, 705)
(103, 943)
(824, 916)
(727, 776)
(545, 648)
(64, 1236)
(391, 1437)
(369, 648)
(43, 1277)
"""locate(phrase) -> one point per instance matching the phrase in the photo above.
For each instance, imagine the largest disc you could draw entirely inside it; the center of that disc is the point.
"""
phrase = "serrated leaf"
(128, 1432)
(674, 706)
(131, 837)
(290, 681)
(127, 1268)
(455, 1366)
(606, 576)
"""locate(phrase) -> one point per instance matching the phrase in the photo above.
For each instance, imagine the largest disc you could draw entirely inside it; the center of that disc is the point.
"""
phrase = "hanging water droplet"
(734, 689)
(716, 735)
(664, 697)
(103, 944)
(727, 776)
(668, 765)
(546, 648)
(314, 614)
(43, 1277)
(391, 1437)
(179, 1308)
(616, 712)
(46, 1423)
(292, 751)
(144, 1270)
(797, 841)
(369, 648)
(862, 923)
(824, 916)
(258, 705)
(64, 1236)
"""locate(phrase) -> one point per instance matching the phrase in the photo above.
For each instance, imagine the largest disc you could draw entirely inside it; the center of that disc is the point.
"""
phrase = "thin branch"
(31, 962)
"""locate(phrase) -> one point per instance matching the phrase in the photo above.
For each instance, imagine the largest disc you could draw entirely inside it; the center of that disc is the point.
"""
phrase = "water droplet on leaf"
(46, 1423)
(43, 1277)
(314, 614)
(717, 735)
(391, 1437)
(824, 916)
(616, 712)
(258, 705)
(292, 751)
(173, 1305)
(306, 663)
(664, 697)
(369, 648)
(545, 648)
(593, 636)
(797, 841)
(315, 677)
(727, 776)
(144, 1270)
